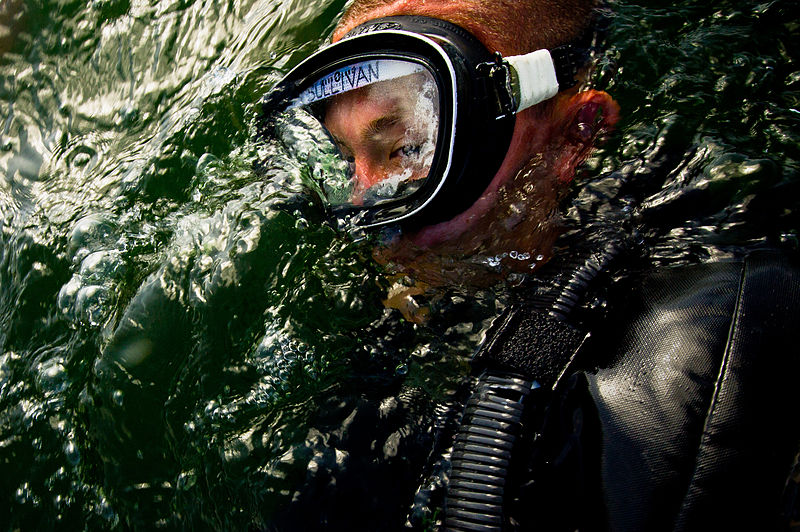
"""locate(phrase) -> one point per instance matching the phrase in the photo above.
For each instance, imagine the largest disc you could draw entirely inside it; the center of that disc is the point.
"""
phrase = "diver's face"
(386, 130)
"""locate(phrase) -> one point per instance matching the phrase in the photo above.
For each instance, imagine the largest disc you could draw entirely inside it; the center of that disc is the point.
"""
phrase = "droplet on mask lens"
(337, 189)
(322, 166)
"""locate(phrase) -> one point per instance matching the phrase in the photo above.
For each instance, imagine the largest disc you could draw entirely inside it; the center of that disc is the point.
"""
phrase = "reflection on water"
(183, 343)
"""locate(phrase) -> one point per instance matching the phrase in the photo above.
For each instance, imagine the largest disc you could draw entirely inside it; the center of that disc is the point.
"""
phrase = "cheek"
(531, 133)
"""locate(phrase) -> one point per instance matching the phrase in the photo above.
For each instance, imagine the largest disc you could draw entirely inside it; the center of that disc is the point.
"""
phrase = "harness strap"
(532, 344)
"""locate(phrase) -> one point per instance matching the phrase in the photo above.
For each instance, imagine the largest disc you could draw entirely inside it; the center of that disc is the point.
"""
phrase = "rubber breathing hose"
(492, 421)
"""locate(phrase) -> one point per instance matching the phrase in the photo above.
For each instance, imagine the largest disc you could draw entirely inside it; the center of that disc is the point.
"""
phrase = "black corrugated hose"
(492, 421)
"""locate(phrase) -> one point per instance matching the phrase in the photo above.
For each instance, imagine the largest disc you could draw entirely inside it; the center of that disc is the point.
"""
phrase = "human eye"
(406, 150)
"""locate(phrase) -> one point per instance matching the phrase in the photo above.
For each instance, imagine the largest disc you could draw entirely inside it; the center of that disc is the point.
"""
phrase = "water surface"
(185, 344)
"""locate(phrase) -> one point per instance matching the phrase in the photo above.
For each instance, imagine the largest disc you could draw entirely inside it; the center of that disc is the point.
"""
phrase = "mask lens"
(366, 132)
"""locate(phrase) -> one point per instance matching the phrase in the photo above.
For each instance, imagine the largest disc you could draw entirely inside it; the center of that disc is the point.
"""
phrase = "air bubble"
(81, 159)
(67, 294)
(101, 265)
(52, 375)
(88, 230)
(207, 161)
(23, 494)
(421, 351)
(91, 303)
(72, 453)
(117, 396)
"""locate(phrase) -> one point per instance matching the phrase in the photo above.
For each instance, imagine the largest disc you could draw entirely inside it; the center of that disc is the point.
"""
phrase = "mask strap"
(541, 74)
(535, 78)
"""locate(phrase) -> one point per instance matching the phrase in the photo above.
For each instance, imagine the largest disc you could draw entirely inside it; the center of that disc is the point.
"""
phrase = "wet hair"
(508, 26)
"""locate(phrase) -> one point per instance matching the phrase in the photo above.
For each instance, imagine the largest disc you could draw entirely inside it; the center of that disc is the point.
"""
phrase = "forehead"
(398, 99)
(351, 109)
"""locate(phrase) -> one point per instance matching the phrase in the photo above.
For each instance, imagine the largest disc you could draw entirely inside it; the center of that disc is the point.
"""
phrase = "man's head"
(517, 214)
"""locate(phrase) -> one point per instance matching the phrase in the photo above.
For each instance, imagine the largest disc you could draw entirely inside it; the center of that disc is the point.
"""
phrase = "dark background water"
(184, 345)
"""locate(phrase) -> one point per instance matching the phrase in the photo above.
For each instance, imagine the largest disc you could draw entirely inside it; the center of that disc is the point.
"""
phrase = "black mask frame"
(478, 101)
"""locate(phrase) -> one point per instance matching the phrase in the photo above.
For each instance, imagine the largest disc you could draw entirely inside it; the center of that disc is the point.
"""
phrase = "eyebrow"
(374, 129)
(380, 125)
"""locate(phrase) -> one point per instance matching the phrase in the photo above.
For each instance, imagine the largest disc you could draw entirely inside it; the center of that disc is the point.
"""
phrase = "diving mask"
(407, 119)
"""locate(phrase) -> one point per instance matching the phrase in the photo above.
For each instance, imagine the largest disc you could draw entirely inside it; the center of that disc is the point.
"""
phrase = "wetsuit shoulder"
(695, 396)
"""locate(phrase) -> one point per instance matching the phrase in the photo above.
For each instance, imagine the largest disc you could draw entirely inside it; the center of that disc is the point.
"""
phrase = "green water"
(184, 345)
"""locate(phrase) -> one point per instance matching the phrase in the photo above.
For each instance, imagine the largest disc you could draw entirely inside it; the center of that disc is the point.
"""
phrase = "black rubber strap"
(568, 60)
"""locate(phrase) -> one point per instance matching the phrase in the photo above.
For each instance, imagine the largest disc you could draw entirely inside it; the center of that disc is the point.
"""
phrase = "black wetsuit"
(682, 416)
(677, 413)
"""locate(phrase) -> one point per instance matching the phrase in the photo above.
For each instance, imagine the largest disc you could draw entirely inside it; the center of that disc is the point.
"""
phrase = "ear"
(582, 116)
(578, 119)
